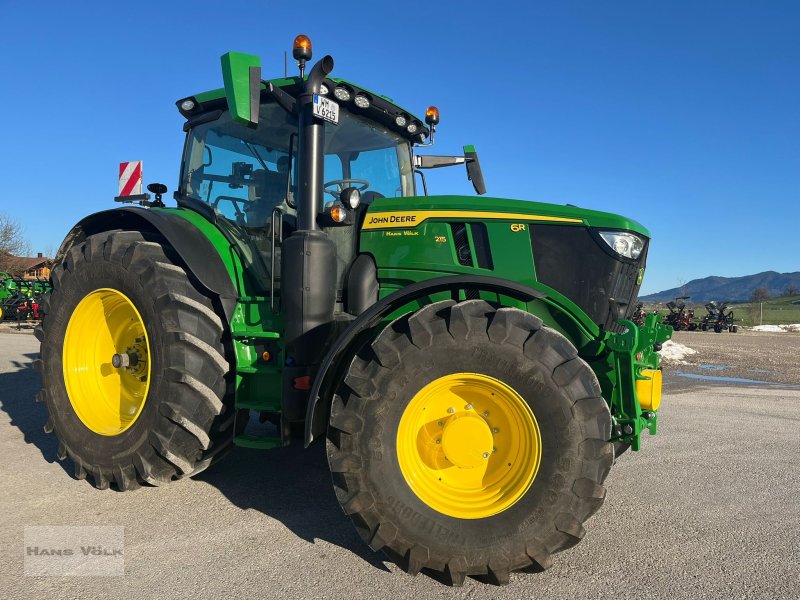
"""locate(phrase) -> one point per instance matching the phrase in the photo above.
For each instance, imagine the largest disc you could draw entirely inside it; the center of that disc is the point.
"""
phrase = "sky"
(684, 116)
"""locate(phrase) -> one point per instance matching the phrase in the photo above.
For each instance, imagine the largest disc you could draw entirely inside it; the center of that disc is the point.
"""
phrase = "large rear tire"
(165, 411)
(455, 390)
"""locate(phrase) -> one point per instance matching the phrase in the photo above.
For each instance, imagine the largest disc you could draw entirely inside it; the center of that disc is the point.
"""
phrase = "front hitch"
(636, 393)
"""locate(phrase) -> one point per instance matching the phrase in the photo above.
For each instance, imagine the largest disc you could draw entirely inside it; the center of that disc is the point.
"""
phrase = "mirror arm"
(422, 177)
(435, 162)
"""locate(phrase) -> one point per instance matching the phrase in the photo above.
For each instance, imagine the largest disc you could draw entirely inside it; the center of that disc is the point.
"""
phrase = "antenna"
(285, 66)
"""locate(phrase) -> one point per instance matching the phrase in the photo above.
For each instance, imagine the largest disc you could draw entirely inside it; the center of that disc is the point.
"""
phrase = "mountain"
(734, 289)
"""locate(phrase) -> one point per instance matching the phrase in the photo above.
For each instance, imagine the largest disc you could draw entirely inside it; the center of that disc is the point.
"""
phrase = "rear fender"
(195, 250)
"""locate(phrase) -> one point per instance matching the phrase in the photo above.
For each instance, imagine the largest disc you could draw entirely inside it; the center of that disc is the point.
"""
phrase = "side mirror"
(474, 172)
(242, 76)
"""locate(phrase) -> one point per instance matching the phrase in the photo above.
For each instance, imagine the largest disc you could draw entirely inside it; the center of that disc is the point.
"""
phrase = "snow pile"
(769, 328)
(794, 327)
(675, 352)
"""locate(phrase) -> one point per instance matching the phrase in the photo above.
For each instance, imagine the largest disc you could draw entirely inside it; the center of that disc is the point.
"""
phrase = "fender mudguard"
(195, 250)
(353, 337)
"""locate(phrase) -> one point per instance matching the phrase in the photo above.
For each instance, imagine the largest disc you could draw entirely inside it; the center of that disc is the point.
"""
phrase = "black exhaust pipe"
(308, 286)
(310, 150)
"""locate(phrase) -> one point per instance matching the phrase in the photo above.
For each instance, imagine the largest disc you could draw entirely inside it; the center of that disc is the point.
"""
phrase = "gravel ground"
(14, 327)
(757, 356)
(707, 509)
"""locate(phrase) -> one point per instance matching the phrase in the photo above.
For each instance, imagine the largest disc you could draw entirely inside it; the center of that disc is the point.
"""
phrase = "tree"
(759, 295)
(12, 242)
(791, 290)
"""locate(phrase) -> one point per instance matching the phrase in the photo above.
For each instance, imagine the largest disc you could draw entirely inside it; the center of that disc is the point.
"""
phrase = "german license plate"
(327, 109)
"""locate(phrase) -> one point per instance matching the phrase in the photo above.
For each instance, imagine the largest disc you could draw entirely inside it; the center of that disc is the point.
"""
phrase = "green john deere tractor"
(468, 359)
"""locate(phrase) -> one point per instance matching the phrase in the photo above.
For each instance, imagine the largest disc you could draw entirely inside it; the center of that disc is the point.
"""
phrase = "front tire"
(168, 413)
(467, 355)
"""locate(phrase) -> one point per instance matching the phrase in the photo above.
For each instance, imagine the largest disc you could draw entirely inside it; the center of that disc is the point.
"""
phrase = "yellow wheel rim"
(107, 398)
(468, 445)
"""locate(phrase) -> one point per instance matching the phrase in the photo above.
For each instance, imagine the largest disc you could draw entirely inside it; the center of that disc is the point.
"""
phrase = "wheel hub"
(467, 441)
(468, 445)
(106, 362)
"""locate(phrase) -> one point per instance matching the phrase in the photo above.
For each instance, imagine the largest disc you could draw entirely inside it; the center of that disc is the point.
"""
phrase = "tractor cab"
(244, 174)
(248, 177)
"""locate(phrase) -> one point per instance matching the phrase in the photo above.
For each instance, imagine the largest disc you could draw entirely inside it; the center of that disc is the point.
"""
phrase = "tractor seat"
(267, 191)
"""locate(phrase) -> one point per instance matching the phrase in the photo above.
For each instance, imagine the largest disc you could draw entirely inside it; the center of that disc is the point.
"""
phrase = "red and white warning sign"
(130, 178)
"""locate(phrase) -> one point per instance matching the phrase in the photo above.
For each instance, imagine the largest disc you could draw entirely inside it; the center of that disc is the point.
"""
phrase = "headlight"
(323, 89)
(623, 243)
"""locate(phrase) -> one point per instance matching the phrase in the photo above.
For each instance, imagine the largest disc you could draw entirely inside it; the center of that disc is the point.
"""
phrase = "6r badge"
(516, 227)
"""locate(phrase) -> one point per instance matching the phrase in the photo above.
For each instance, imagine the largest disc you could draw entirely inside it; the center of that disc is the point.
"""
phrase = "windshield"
(243, 173)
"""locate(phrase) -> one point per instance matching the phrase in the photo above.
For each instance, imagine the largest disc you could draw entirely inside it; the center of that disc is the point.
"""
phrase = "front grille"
(575, 262)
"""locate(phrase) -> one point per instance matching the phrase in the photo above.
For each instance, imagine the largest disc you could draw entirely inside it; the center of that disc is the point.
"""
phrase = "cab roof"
(381, 108)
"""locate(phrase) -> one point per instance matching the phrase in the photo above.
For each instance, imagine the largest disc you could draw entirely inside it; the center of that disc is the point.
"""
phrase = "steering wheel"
(359, 184)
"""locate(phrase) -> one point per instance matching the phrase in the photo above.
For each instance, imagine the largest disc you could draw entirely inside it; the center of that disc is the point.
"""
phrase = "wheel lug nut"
(468, 407)
(495, 430)
(486, 413)
(485, 455)
(438, 441)
(494, 450)
(451, 410)
(441, 423)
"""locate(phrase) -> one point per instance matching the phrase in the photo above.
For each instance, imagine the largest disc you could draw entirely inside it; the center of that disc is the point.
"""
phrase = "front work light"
(350, 196)
(361, 101)
(623, 243)
(187, 105)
